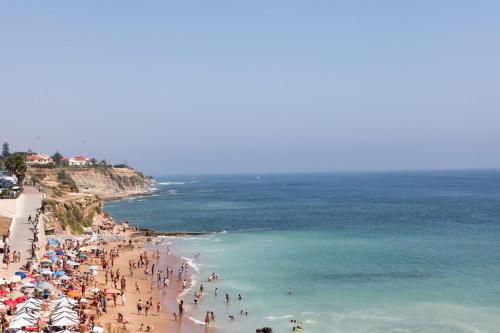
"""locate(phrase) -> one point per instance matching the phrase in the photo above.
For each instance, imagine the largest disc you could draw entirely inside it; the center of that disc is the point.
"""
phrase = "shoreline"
(149, 288)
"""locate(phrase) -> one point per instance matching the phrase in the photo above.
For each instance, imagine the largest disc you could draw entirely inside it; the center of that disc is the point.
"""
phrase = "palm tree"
(16, 165)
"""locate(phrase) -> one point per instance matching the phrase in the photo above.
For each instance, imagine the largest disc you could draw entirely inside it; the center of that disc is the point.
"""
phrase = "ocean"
(338, 252)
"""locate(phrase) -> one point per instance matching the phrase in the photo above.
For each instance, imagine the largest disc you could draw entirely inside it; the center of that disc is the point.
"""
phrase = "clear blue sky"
(254, 86)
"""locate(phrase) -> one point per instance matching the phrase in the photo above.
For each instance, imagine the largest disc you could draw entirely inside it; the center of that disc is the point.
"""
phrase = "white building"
(38, 159)
(79, 161)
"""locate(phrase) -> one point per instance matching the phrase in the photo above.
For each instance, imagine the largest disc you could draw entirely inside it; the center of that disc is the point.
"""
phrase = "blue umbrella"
(21, 274)
(83, 255)
(53, 241)
(53, 258)
(58, 273)
(49, 253)
(60, 253)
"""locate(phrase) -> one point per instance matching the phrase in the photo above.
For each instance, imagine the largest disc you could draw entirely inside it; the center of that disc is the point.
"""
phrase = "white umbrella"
(65, 277)
(65, 321)
(98, 329)
(19, 323)
(64, 331)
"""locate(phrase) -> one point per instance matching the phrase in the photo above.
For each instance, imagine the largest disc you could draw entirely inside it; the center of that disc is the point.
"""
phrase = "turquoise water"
(372, 252)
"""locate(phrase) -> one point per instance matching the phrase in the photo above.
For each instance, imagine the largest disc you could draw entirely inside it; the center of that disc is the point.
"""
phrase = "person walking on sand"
(137, 287)
(181, 307)
(158, 308)
(139, 307)
(207, 318)
(122, 294)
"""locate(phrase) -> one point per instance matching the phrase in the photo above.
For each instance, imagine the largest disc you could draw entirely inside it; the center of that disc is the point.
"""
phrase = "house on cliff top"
(78, 161)
(38, 159)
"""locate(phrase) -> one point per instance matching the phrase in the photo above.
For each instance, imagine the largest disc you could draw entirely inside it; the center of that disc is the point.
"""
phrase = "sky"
(199, 87)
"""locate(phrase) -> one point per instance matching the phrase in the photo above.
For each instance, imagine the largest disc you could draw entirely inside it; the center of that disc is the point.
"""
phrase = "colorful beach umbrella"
(21, 274)
(53, 241)
(74, 293)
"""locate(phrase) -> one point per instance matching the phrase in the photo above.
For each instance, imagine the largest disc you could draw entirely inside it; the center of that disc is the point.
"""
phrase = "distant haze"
(254, 86)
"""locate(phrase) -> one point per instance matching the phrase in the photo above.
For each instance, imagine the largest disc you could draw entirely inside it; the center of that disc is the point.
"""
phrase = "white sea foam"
(274, 318)
(196, 321)
(171, 183)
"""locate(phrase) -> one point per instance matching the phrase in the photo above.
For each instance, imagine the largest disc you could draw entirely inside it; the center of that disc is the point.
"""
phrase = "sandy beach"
(164, 321)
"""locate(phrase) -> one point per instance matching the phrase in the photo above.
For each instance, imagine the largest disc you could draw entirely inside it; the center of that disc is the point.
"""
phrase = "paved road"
(22, 230)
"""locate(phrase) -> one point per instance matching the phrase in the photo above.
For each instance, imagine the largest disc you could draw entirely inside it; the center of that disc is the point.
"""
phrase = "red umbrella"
(3, 292)
(20, 299)
(31, 328)
(10, 303)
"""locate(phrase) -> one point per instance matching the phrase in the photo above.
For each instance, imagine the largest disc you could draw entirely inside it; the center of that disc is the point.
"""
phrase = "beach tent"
(20, 323)
(68, 299)
(31, 307)
(24, 315)
(71, 315)
(62, 308)
(65, 321)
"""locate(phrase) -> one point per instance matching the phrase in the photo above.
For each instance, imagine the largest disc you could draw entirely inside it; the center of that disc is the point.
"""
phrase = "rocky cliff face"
(106, 183)
(75, 195)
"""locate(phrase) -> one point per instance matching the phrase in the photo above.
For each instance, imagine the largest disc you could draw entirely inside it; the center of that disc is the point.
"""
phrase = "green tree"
(5, 150)
(16, 165)
(57, 158)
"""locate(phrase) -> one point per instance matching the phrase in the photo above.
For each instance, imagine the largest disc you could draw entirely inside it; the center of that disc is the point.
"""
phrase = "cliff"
(106, 183)
(75, 196)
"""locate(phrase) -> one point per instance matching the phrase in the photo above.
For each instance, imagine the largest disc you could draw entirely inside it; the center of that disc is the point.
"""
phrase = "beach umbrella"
(113, 291)
(10, 303)
(83, 300)
(96, 290)
(20, 299)
(53, 258)
(65, 277)
(44, 285)
(29, 285)
(49, 253)
(45, 271)
(31, 328)
(92, 268)
(63, 331)
(74, 293)
(83, 255)
(58, 273)
(72, 263)
(65, 321)
(3, 292)
(21, 274)
(53, 241)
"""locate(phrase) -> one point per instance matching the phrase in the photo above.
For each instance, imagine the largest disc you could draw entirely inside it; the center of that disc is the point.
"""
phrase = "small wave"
(273, 318)
(196, 321)
(171, 183)
(154, 189)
